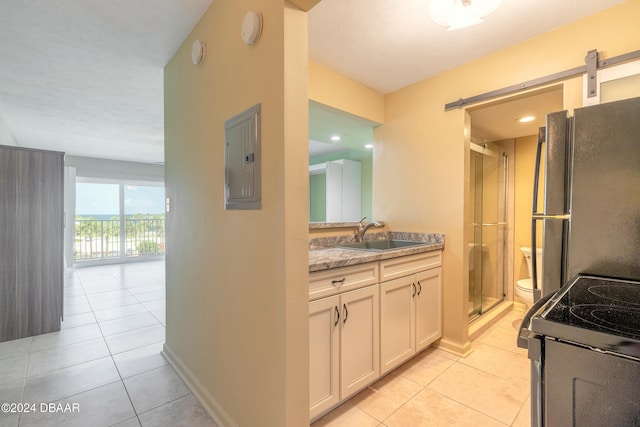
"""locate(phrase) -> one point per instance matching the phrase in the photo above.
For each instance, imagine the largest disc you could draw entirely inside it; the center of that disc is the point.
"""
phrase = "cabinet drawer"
(337, 280)
(406, 265)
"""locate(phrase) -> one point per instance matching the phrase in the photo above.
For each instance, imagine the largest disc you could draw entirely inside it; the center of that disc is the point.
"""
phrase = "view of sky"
(103, 199)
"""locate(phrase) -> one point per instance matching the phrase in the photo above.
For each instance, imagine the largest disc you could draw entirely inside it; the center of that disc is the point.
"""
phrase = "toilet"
(524, 287)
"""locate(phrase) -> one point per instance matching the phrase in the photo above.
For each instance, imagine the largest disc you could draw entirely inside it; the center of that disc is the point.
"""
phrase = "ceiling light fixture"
(526, 119)
(335, 138)
(457, 14)
(368, 146)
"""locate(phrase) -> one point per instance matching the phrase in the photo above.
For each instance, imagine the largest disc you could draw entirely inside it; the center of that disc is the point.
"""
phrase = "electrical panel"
(242, 160)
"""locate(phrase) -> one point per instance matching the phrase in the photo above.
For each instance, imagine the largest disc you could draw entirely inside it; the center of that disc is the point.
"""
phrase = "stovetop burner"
(599, 312)
(621, 293)
(613, 319)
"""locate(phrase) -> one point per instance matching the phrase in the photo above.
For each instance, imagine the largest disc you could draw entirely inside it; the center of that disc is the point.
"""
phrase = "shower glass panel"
(488, 192)
(475, 246)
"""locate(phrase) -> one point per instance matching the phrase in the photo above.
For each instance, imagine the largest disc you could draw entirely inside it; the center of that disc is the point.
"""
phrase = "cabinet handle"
(414, 290)
(346, 313)
(337, 316)
(338, 282)
(419, 287)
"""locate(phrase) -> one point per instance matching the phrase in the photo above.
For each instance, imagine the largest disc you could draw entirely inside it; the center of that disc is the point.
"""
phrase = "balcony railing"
(102, 238)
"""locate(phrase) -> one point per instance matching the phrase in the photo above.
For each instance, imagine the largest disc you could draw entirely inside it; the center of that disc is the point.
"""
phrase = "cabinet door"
(51, 241)
(397, 320)
(8, 242)
(359, 339)
(324, 353)
(428, 302)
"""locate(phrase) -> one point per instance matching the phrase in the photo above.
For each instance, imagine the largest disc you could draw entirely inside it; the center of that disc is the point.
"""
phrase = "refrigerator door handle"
(535, 215)
(542, 216)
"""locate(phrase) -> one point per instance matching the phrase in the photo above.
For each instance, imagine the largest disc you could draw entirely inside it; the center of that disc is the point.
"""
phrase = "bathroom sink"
(381, 245)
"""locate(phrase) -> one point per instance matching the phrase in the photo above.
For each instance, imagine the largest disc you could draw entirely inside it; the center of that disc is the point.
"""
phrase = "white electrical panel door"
(242, 160)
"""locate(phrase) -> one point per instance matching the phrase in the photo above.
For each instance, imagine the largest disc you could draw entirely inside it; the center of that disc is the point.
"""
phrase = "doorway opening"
(502, 159)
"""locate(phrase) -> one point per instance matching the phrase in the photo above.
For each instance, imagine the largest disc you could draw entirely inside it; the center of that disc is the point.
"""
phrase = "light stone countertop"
(323, 254)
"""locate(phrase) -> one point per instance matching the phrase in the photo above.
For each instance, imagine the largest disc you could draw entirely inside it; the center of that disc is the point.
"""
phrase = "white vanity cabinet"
(343, 335)
(324, 354)
(410, 306)
(367, 319)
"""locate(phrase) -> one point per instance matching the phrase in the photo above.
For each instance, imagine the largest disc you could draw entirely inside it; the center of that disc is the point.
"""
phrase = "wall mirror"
(340, 165)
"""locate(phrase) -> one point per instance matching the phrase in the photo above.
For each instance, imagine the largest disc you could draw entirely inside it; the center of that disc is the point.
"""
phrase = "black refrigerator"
(591, 208)
(583, 332)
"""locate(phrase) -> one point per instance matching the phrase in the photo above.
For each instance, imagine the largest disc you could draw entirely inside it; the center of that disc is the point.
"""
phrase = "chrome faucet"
(363, 227)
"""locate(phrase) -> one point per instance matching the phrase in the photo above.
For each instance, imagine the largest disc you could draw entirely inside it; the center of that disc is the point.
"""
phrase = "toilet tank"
(526, 251)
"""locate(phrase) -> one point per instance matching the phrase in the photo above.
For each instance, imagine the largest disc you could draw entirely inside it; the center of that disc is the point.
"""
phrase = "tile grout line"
(30, 352)
(24, 380)
(111, 355)
(135, 411)
(124, 386)
(522, 408)
(468, 407)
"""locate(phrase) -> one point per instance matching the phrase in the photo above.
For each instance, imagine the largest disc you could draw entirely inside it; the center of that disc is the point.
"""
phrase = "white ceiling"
(389, 44)
(85, 77)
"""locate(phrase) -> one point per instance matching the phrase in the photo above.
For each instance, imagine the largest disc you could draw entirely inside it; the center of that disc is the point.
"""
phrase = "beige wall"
(421, 156)
(237, 311)
(330, 88)
(237, 320)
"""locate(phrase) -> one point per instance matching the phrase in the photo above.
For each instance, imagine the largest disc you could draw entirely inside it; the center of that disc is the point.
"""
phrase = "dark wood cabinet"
(31, 242)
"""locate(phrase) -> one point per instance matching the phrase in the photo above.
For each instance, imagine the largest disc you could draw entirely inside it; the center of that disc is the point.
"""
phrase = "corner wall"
(237, 311)
(421, 156)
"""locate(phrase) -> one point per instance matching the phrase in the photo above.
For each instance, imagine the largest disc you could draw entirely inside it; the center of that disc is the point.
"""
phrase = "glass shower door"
(487, 251)
(475, 246)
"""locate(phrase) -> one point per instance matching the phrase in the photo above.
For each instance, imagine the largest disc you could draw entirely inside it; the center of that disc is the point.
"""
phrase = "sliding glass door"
(144, 220)
(117, 222)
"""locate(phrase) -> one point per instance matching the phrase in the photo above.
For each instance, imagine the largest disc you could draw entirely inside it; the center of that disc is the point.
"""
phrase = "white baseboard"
(461, 350)
(210, 404)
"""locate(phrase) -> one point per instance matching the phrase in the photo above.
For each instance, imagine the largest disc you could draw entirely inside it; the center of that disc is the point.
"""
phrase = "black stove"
(601, 313)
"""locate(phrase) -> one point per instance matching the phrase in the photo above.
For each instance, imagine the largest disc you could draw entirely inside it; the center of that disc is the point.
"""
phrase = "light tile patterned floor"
(106, 359)
(490, 387)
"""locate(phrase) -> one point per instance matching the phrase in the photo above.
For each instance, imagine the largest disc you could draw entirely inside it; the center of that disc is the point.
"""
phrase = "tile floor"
(105, 363)
(490, 387)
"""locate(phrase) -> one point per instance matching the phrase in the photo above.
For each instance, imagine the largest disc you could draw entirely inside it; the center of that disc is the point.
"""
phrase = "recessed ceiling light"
(526, 119)
(335, 138)
(369, 146)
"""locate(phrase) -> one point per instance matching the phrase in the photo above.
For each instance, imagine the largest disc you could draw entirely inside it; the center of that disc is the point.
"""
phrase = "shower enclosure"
(488, 195)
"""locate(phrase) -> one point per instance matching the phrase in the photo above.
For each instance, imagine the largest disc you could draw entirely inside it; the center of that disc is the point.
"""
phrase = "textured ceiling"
(389, 44)
(85, 76)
